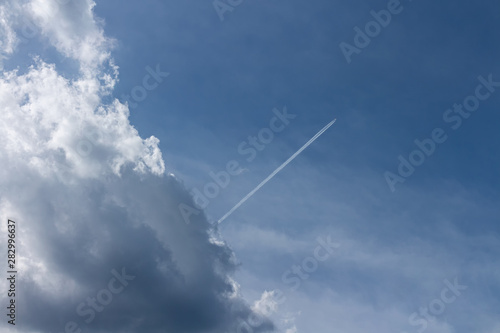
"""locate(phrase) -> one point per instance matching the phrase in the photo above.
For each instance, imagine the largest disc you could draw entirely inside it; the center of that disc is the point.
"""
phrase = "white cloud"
(52, 122)
(267, 303)
(90, 195)
(72, 28)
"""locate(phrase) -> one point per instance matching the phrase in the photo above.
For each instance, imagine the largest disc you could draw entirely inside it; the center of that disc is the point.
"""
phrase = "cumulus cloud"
(93, 201)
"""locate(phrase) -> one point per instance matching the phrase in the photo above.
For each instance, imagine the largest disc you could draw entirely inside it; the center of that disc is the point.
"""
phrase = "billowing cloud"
(102, 246)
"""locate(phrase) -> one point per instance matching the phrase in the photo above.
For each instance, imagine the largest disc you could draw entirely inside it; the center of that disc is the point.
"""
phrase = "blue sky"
(226, 77)
(396, 247)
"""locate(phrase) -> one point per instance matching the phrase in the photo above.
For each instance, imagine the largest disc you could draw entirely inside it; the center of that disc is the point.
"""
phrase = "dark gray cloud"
(80, 233)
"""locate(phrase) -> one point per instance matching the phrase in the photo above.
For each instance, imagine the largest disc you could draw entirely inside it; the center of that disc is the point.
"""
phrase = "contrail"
(278, 169)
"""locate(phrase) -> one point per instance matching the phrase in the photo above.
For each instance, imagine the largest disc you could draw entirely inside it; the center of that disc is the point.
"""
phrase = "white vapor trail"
(278, 169)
